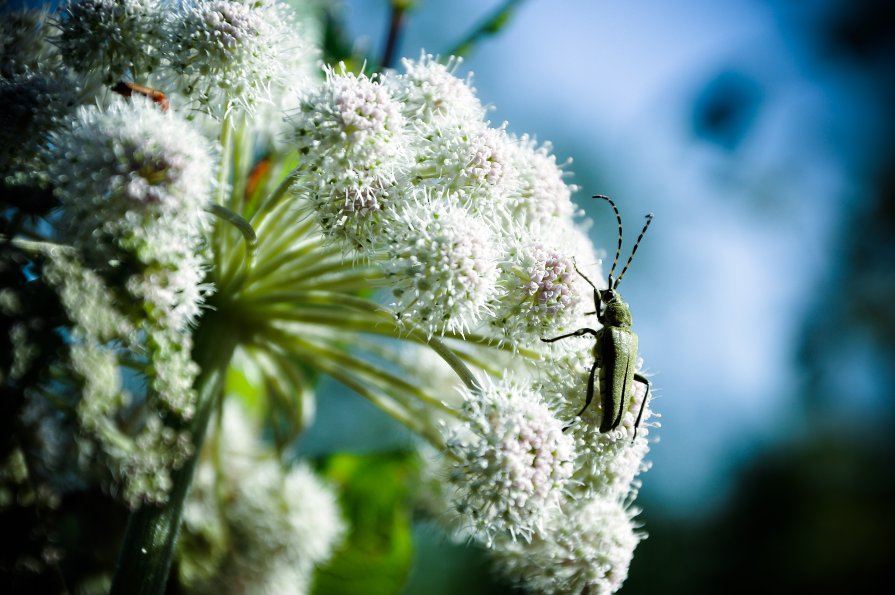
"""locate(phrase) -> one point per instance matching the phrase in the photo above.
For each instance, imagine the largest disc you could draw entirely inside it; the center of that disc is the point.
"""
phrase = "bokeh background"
(760, 134)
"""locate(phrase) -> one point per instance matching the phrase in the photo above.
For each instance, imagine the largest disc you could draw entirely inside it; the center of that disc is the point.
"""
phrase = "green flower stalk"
(204, 261)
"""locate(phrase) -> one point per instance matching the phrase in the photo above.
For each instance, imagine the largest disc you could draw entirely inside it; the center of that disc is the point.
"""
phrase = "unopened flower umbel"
(190, 269)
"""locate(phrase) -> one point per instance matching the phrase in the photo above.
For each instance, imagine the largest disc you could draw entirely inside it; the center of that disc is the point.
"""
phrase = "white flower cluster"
(132, 32)
(227, 54)
(350, 133)
(553, 506)
(24, 46)
(474, 232)
(406, 170)
(249, 525)
(223, 55)
(33, 104)
(139, 461)
(587, 550)
(441, 266)
(512, 463)
(134, 182)
(587, 544)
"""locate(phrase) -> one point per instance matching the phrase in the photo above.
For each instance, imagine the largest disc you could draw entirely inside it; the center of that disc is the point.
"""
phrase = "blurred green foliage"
(376, 555)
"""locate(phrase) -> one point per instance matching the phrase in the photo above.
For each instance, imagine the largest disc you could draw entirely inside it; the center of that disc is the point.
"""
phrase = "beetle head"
(608, 296)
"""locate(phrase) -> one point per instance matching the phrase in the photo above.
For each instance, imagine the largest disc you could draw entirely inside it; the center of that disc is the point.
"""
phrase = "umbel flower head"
(113, 38)
(431, 94)
(134, 182)
(119, 169)
(441, 265)
(24, 47)
(543, 291)
(586, 550)
(230, 55)
(386, 211)
(33, 104)
(544, 199)
(473, 162)
(138, 459)
(512, 463)
(351, 137)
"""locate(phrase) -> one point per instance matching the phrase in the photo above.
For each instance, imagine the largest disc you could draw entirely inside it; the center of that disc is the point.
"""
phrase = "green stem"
(147, 551)
(272, 202)
(456, 364)
(239, 259)
(220, 232)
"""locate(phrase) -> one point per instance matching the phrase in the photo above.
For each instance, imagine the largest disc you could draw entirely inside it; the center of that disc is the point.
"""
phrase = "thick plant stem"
(147, 551)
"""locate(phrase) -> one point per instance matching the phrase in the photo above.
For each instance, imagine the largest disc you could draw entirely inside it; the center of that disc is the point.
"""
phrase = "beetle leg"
(578, 333)
(589, 282)
(590, 388)
(643, 379)
(590, 393)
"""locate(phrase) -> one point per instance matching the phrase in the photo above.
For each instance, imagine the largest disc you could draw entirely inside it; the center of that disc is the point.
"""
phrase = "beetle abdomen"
(618, 347)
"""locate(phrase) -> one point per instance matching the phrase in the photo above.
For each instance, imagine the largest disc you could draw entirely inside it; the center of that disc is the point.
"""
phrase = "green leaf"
(377, 553)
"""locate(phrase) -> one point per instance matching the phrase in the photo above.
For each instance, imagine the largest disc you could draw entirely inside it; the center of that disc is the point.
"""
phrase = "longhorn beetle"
(615, 346)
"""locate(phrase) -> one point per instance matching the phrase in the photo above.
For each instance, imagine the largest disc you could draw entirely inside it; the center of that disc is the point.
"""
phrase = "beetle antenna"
(618, 250)
(649, 219)
(583, 276)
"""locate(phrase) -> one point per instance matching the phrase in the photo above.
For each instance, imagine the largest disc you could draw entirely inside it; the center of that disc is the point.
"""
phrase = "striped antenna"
(649, 219)
(618, 250)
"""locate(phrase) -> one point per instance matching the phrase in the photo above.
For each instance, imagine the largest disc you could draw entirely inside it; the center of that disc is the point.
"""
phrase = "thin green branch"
(330, 274)
(491, 25)
(397, 21)
(242, 146)
(234, 219)
(292, 254)
(273, 202)
(351, 326)
(233, 269)
(326, 297)
(359, 366)
(313, 353)
(220, 233)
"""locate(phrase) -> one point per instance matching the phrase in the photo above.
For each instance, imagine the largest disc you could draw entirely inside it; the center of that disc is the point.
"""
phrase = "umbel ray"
(615, 344)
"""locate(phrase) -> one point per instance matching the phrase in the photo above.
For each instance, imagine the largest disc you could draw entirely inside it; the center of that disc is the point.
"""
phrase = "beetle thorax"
(616, 312)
